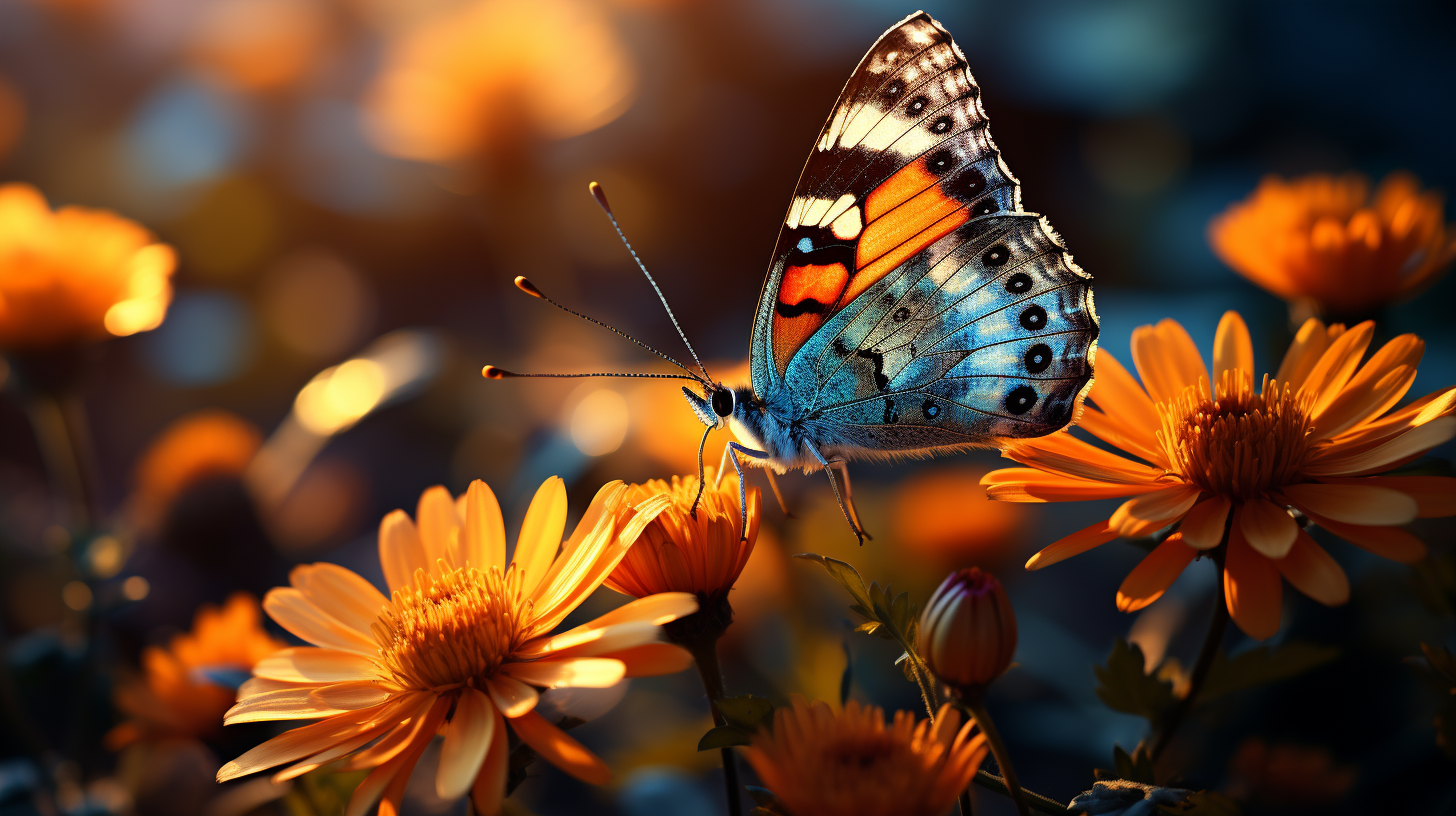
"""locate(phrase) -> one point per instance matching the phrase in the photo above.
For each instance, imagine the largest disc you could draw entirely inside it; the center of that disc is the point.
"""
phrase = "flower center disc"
(451, 629)
(1240, 444)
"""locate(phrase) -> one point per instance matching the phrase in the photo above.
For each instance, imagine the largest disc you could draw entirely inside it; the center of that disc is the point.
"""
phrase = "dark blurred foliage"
(1130, 123)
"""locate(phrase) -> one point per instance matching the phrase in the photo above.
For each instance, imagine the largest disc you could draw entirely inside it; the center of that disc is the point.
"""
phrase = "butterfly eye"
(1038, 357)
(723, 402)
(1018, 283)
(996, 256)
(1033, 318)
(1021, 399)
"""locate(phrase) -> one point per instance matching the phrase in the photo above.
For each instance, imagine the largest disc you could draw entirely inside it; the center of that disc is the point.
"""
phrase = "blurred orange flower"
(12, 117)
(173, 697)
(1288, 777)
(1323, 238)
(460, 647)
(680, 553)
(259, 45)
(942, 515)
(206, 443)
(850, 764)
(76, 273)
(1315, 438)
(495, 71)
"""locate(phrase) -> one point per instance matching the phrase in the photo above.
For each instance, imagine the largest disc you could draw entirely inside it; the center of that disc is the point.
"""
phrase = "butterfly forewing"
(910, 303)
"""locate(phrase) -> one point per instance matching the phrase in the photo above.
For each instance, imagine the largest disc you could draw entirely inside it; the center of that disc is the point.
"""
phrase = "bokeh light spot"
(599, 422)
(317, 305)
(207, 339)
(135, 588)
(340, 396)
(76, 595)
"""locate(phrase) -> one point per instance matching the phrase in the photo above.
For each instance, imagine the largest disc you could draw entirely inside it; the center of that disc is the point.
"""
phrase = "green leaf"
(1262, 665)
(1125, 687)
(747, 712)
(870, 628)
(724, 736)
(847, 576)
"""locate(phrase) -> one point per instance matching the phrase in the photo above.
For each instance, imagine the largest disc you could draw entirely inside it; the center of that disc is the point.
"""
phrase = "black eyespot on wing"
(891, 415)
(967, 184)
(888, 299)
(941, 161)
(1021, 399)
(985, 207)
(941, 125)
(894, 89)
(917, 105)
(1038, 358)
(839, 347)
(878, 359)
(930, 409)
(901, 315)
(1033, 318)
(996, 256)
(805, 306)
(1018, 283)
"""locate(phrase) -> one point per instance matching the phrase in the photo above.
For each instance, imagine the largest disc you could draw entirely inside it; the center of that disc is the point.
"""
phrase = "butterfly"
(912, 307)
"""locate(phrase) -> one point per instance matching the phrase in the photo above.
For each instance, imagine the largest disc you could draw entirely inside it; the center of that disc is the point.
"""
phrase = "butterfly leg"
(849, 515)
(732, 450)
(843, 467)
(702, 444)
(773, 484)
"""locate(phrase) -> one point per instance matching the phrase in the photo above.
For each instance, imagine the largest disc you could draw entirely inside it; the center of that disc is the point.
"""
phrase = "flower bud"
(968, 630)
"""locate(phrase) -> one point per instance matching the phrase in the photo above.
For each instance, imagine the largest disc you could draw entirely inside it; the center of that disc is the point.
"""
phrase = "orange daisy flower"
(679, 553)
(1323, 238)
(1315, 438)
(173, 698)
(76, 274)
(850, 764)
(460, 647)
(202, 444)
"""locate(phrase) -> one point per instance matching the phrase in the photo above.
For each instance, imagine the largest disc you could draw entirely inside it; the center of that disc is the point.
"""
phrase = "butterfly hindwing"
(904, 159)
(986, 334)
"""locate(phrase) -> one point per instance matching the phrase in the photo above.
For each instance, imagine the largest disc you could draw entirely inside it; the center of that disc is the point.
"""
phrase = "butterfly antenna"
(491, 372)
(530, 289)
(601, 197)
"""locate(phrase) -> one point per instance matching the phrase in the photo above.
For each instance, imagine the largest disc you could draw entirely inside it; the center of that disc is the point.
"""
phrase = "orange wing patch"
(819, 283)
(805, 298)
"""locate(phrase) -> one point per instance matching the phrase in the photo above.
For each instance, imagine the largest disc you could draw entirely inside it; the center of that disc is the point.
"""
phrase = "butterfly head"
(718, 403)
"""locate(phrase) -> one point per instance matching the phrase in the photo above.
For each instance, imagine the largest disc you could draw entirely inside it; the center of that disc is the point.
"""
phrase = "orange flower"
(967, 633)
(679, 553)
(1315, 438)
(75, 274)
(173, 698)
(259, 45)
(492, 72)
(460, 647)
(822, 764)
(199, 445)
(1323, 238)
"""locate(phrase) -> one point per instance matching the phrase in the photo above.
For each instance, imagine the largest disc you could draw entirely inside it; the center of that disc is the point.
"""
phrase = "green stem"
(705, 655)
(1045, 804)
(922, 679)
(977, 708)
(58, 433)
(1206, 654)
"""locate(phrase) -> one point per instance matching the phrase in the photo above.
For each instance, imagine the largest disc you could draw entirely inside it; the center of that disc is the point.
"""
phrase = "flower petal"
(310, 739)
(341, 592)
(658, 609)
(1139, 442)
(1311, 570)
(1435, 495)
(1203, 526)
(1065, 454)
(1074, 544)
(1304, 353)
(589, 640)
(1394, 543)
(1167, 360)
(323, 758)
(1162, 507)
(560, 750)
(400, 552)
(489, 790)
(1155, 573)
(483, 537)
(1411, 443)
(350, 695)
(1232, 348)
(284, 704)
(1352, 503)
(1375, 389)
(1118, 395)
(389, 779)
(1268, 528)
(1338, 364)
(295, 613)
(1036, 486)
(1251, 587)
(652, 659)
(511, 696)
(540, 533)
(439, 524)
(583, 672)
(468, 737)
(309, 664)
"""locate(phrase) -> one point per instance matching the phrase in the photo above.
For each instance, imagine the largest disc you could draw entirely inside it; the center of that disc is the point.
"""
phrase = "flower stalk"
(1206, 654)
(699, 633)
(975, 705)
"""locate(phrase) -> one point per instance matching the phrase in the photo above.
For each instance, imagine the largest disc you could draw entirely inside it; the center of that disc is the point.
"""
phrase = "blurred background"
(365, 177)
